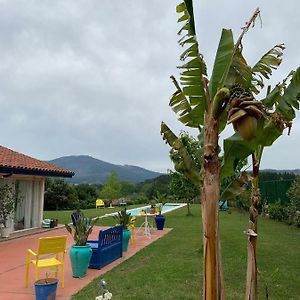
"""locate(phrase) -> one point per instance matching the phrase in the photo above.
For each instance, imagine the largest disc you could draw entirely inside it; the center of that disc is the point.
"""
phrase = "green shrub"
(242, 202)
(297, 218)
(284, 213)
(130, 202)
(277, 211)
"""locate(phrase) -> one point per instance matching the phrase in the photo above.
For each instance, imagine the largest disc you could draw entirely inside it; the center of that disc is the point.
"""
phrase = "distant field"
(171, 268)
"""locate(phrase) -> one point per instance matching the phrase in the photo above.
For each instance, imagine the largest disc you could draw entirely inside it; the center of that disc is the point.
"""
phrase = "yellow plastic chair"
(132, 230)
(100, 203)
(50, 254)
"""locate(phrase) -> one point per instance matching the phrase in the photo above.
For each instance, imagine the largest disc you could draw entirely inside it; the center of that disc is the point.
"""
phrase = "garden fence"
(273, 190)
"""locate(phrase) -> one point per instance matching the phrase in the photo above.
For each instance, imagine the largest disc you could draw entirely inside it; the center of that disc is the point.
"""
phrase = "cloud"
(92, 77)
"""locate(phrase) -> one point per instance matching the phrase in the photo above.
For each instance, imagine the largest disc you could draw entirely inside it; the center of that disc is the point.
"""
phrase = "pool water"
(165, 209)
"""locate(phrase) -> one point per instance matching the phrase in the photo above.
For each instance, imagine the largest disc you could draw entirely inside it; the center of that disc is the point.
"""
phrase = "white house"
(29, 174)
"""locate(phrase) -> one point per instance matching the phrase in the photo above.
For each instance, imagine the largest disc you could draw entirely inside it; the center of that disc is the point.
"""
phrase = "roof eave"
(36, 172)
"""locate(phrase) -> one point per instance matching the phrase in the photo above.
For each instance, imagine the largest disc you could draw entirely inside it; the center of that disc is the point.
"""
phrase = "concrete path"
(12, 264)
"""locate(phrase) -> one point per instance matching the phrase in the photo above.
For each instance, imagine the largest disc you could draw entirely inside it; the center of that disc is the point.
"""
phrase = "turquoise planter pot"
(80, 257)
(126, 238)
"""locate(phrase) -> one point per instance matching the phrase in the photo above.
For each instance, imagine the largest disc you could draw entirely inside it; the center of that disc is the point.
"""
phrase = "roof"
(13, 162)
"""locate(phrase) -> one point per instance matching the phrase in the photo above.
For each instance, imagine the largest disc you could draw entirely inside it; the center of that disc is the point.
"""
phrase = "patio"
(13, 255)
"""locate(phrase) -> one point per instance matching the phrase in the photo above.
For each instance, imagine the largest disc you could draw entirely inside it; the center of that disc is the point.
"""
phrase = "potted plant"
(8, 199)
(81, 252)
(45, 288)
(125, 219)
(152, 207)
(159, 218)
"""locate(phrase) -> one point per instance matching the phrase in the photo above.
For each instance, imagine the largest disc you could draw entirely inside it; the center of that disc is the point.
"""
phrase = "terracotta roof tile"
(13, 160)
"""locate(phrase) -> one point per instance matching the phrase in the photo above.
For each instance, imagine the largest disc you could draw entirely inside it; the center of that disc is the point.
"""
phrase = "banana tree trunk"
(251, 281)
(213, 282)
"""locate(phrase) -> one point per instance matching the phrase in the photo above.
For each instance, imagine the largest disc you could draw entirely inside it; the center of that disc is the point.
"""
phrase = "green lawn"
(171, 268)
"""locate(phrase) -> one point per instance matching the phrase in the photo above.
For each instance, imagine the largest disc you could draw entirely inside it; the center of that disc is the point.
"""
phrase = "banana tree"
(258, 124)
(208, 104)
(200, 103)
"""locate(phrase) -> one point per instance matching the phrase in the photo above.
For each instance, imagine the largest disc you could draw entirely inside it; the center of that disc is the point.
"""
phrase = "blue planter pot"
(45, 291)
(80, 257)
(160, 222)
(126, 238)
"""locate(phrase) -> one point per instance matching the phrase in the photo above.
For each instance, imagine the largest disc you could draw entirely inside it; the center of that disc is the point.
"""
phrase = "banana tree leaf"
(184, 17)
(286, 110)
(192, 90)
(186, 40)
(190, 73)
(177, 98)
(267, 132)
(180, 7)
(195, 101)
(285, 98)
(192, 51)
(236, 187)
(193, 119)
(168, 135)
(223, 61)
(190, 80)
(273, 97)
(291, 97)
(189, 101)
(194, 63)
(235, 150)
(186, 7)
(189, 108)
(184, 107)
(186, 165)
(190, 10)
(270, 61)
(197, 114)
(239, 72)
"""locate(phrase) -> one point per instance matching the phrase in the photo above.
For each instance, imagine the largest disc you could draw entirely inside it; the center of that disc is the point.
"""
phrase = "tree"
(150, 187)
(294, 205)
(112, 188)
(207, 104)
(59, 195)
(127, 188)
(183, 189)
(86, 194)
(183, 182)
(294, 193)
(9, 198)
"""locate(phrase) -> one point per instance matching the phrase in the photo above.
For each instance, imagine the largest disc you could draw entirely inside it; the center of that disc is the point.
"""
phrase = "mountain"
(91, 170)
(294, 171)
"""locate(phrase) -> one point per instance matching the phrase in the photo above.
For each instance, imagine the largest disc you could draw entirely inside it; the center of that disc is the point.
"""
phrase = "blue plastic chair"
(223, 205)
(75, 216)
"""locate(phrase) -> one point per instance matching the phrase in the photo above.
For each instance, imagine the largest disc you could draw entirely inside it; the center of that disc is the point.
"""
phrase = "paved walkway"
(12, 264)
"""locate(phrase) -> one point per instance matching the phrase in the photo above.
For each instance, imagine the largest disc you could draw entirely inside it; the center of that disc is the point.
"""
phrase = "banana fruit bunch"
(244, 112)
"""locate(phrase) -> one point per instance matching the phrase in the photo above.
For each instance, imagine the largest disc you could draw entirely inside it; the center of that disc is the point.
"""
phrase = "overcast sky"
(92, 77)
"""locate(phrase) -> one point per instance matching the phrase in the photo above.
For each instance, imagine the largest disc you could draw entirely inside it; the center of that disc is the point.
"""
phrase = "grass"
(171, 268)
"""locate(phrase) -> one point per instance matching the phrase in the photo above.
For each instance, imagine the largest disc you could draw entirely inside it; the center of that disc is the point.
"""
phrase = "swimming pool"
(165, 209)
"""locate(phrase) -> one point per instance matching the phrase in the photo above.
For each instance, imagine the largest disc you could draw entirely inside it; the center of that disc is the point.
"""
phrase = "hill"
(294, 171)
(91, 170)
